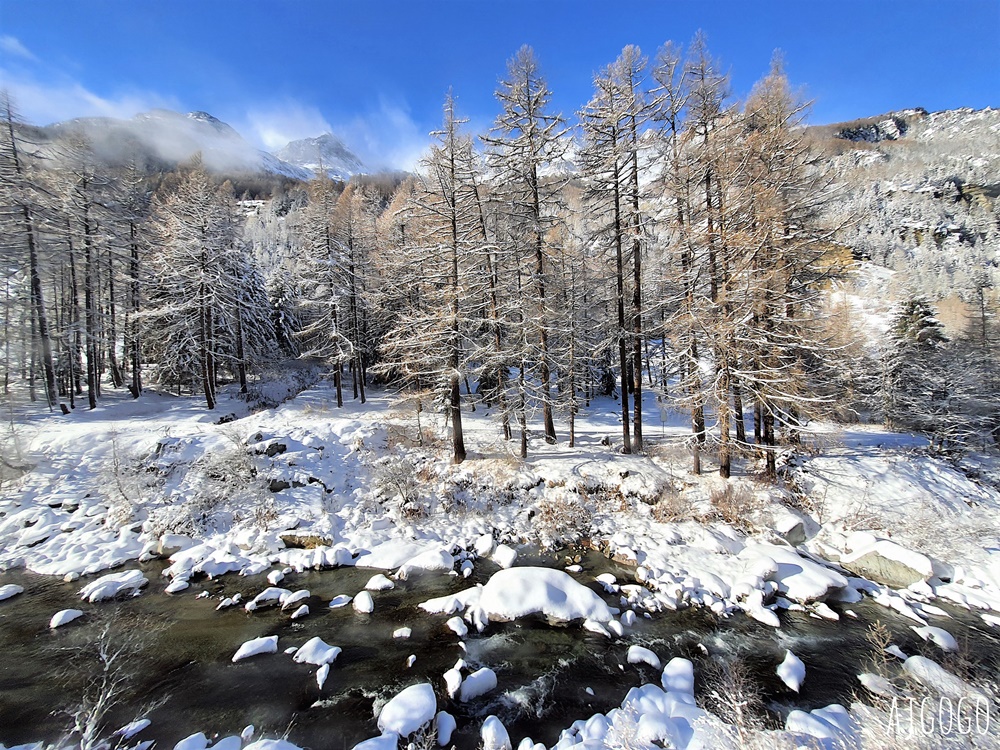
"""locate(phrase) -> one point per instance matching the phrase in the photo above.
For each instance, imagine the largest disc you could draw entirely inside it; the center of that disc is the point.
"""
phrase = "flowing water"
(177, 667)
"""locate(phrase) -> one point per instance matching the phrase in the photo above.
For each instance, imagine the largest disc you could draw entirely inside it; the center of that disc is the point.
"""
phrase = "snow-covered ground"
(859, 511)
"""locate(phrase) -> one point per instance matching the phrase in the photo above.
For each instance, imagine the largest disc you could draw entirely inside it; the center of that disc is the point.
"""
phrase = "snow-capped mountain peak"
(325, 153)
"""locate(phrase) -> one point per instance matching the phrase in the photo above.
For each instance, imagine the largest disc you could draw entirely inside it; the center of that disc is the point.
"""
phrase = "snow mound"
(408, 710)
(518, 592)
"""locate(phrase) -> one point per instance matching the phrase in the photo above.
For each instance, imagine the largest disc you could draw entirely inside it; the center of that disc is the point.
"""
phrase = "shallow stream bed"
(178, 672)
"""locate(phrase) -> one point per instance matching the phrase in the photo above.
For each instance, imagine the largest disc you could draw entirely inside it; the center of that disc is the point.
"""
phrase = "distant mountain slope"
(326, 153)
(162, 139)
(917, 192)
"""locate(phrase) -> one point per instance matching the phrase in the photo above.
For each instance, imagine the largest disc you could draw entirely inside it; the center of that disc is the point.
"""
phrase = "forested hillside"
(665, 237)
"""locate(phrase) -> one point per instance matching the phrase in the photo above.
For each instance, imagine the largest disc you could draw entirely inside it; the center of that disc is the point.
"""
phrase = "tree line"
(673, 241)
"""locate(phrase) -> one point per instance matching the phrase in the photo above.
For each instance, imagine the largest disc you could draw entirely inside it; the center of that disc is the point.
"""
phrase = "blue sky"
(376, 72)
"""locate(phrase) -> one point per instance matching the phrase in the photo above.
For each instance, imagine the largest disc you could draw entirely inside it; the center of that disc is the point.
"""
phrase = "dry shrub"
(671, 508)
(561, 519)
(736, 505)
(731, 693)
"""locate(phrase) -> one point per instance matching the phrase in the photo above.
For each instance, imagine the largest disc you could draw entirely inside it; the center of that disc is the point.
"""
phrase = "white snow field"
(860, 512)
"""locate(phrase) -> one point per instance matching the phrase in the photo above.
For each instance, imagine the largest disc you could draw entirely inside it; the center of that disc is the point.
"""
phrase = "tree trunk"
(135, 350)
(741, 430)
(636, 230)
(90, 312)
(622, 348)
(543, 323)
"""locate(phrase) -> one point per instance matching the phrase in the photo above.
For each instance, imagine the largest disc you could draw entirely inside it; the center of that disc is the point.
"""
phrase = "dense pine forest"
(667, 237)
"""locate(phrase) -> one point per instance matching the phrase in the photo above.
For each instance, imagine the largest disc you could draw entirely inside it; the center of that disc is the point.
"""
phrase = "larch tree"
(526, 139)
(785, 255)
(432, 341)
(191, 283)
(613, 122)
(355, 231)
(322, 310)
(677, 182)
(20, 201)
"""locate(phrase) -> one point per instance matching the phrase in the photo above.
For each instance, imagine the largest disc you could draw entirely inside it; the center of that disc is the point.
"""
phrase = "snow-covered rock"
(379, 582)
(792, 671)
(270, 595)
(113, 584)
(885, 561)
(363, 603)
(408, 710)
(255, 646)
(642, 655)
(196, 741)
(384, 742)
(444, 726)
(10, 590)
(504, 556)
(831, 725)
(798, 578)
(518, 592)
(932, 675)
(678, 677)
(494, 735)
(944, 640)
(290, 600)
(878, 684)
(316, 651)
(64, 616)
(456, 625)
(478, 683)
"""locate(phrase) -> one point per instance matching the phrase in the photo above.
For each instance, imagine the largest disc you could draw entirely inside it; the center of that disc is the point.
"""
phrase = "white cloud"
(386, 137)
(13, 46)
(275, 125)
(42, 103)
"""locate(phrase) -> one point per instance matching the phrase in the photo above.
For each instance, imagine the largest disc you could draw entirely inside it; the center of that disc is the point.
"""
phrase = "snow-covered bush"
(280, 382)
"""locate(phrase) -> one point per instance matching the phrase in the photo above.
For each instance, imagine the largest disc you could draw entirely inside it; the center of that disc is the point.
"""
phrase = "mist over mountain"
(161, 139)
